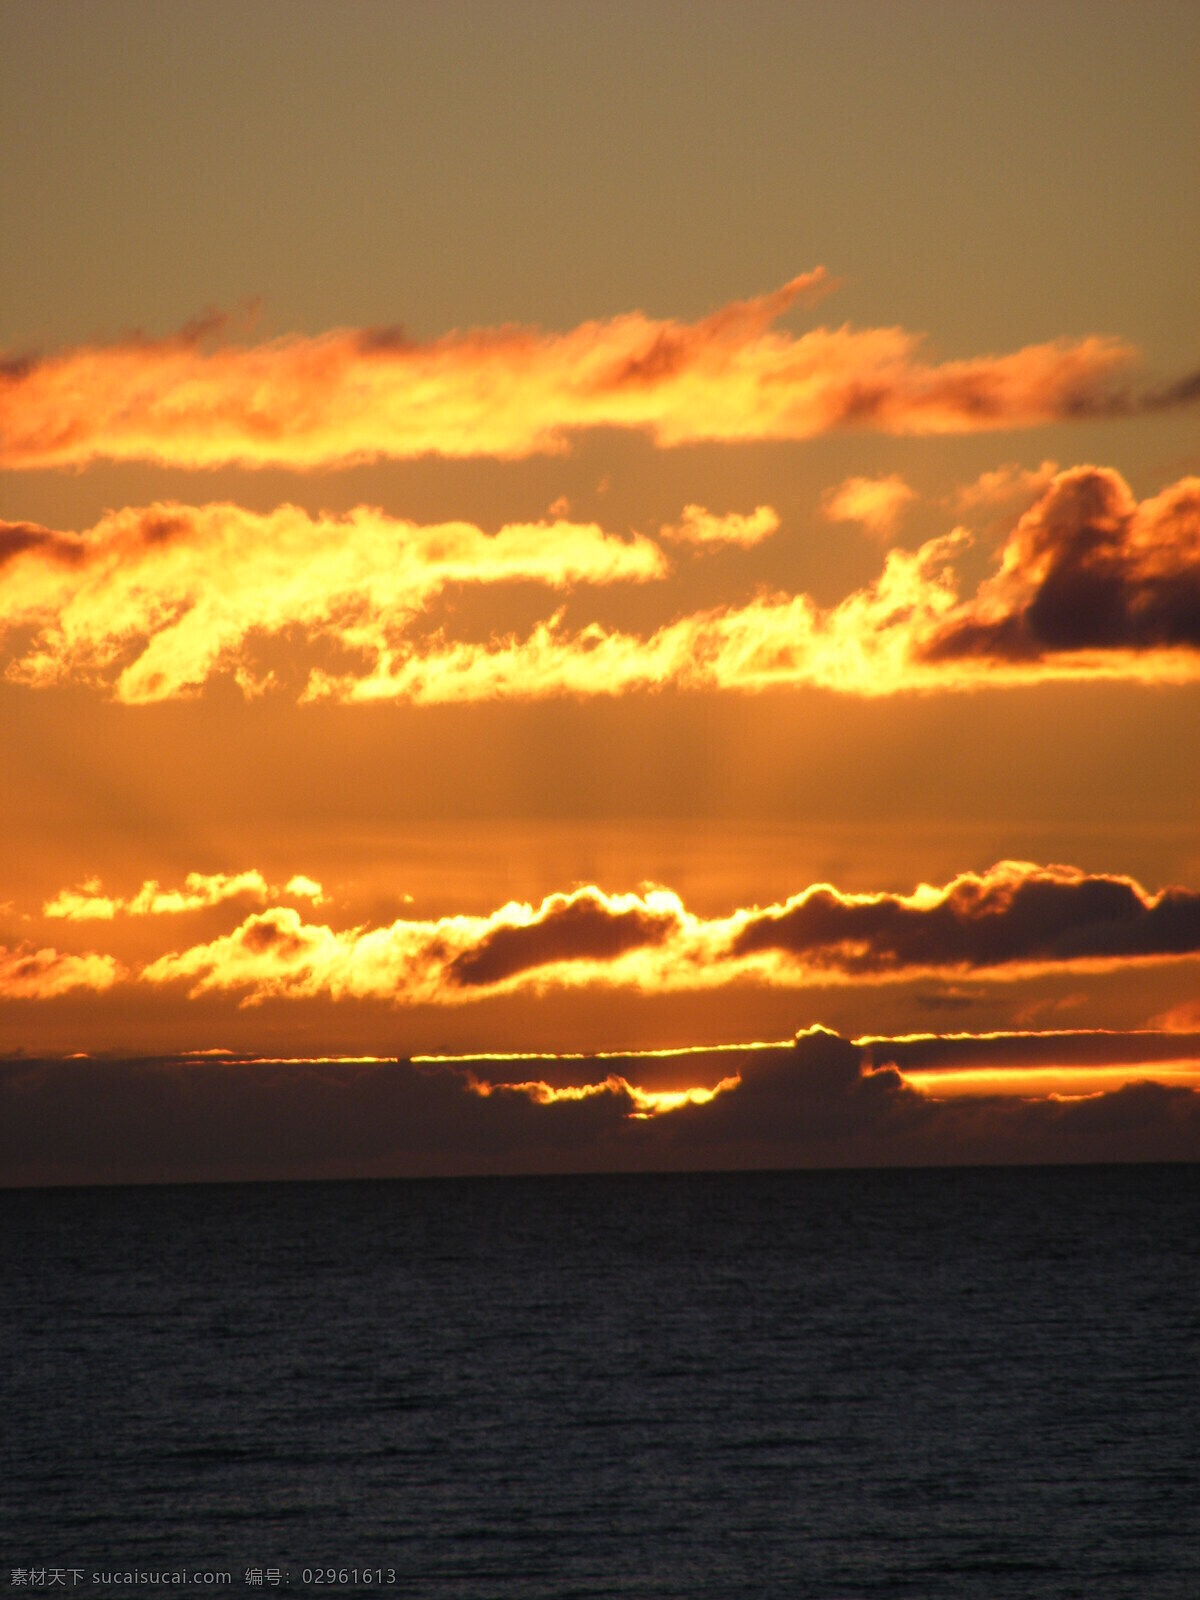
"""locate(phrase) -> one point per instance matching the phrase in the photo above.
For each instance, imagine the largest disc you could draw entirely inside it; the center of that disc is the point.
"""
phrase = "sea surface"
(972, 1383)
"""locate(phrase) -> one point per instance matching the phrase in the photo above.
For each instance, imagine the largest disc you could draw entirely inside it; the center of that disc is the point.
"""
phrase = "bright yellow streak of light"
(608, 1055)
(1058, 1082)
(647, 1102)
(656, 1102)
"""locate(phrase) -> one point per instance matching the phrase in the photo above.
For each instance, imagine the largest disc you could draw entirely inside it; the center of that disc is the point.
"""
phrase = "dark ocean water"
(975, 1383)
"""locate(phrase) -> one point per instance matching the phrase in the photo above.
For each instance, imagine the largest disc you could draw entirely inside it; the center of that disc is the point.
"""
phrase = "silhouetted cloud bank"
(815, 1104)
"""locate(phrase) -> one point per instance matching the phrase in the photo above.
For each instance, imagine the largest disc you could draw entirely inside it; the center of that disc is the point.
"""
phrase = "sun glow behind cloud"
(1060, 1081)
(645, 1102)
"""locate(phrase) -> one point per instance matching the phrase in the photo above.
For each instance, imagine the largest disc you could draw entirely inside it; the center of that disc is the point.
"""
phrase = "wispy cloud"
(357, 395)
(1004, 487)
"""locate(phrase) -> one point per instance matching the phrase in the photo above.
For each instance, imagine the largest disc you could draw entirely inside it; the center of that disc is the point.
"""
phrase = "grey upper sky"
(993, 173)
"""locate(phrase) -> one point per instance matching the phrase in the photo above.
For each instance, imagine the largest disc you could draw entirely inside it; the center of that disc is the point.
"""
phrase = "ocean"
(961, 1383)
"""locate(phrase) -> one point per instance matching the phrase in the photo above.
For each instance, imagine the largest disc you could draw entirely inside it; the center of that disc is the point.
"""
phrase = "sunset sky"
(588, 528)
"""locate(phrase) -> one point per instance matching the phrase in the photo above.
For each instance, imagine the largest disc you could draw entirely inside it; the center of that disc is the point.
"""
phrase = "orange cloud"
(200, 891)
(1012, 921)
(876, 503)
(357, 395)
(700, 526)
(1179, 1019)
(1003, 487)
(27, 974)
(133, 601)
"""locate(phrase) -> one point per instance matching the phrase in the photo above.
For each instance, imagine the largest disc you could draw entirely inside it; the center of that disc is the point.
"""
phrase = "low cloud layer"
(1081, 1047)
(816, 1104)
(1015, 920)
(357, 395)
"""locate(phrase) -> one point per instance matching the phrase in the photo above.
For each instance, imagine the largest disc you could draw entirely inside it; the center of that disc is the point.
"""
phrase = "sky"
(544, 530)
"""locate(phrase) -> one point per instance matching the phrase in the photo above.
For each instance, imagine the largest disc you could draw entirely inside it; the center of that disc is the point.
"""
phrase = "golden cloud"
(1004, 486)
(699, 526)
(27, 974)
(134, 602)
(200, 891)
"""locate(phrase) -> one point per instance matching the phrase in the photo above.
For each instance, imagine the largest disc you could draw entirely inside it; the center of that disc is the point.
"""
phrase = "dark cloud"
(206, 324)
(385, 340)
(583, 928)
(18, 537)
(951, 998)
(665, 355)
(165, 1120)
(1014, 914)
(1087, 568)
(1180, 392)
(15, 367)
(267, 932)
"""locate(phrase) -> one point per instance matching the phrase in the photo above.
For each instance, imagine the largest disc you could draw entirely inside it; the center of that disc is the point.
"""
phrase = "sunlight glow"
(1052, 1082)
